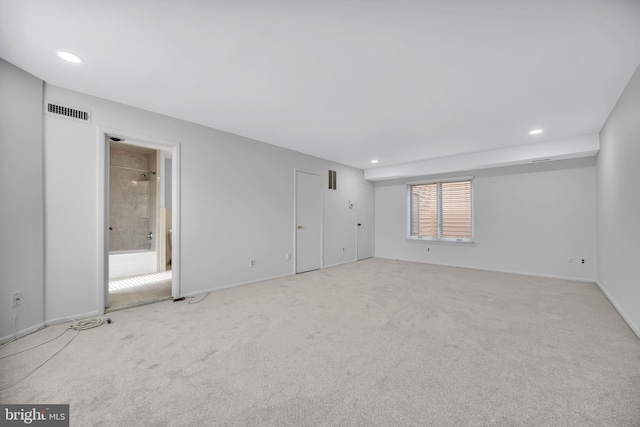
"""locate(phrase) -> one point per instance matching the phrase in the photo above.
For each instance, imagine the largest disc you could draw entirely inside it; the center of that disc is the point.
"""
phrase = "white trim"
(373, 220)
(102, 190)
(22, 333)
(176, 209)
(623, 314)
(73, 317)
(294, 253)
(294, 246)
(235, 285)
(495, 270)
(342, 263)
(103, 132)
(440, 241)
(322, 233)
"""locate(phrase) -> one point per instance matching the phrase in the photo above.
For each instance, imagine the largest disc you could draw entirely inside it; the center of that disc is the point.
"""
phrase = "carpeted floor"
(372, 343)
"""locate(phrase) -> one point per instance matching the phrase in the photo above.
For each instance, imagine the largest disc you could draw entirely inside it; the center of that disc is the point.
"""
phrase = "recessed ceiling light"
(69, 57)
(374, 161)
(535, 132)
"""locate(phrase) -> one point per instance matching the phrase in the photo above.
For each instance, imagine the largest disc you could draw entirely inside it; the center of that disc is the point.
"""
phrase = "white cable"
(77, 325)
(199, 301)
(16, 316)
(35, 346)
(17, 338)
(82, 325)
(23, 376)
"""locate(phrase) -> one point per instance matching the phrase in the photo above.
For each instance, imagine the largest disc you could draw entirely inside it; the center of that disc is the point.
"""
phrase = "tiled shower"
(132, 198)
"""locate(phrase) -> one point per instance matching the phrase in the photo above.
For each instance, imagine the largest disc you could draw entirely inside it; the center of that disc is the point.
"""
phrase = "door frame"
(141, 140)
(295, 218)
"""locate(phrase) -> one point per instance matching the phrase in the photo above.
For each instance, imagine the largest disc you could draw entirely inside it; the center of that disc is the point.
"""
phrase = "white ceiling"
(345, 80)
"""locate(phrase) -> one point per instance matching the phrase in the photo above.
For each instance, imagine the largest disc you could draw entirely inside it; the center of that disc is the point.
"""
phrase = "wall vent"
(333, 180)
(68, 112)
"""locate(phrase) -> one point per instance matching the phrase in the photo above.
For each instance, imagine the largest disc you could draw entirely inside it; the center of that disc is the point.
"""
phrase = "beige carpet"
(373, 343)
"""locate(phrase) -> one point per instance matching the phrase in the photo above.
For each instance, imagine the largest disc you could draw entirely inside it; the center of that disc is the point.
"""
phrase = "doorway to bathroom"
(139, 218)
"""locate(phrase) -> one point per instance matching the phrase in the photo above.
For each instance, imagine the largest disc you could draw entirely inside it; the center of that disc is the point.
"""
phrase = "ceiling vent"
(68, 112)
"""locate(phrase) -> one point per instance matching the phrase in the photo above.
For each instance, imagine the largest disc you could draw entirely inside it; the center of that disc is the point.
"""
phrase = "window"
(441, 211)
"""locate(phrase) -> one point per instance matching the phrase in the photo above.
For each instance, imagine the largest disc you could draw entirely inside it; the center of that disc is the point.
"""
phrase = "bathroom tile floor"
(125, 292)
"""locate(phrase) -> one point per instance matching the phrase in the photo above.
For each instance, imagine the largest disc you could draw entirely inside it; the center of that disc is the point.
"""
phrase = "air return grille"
(333, 180)
(68, 112)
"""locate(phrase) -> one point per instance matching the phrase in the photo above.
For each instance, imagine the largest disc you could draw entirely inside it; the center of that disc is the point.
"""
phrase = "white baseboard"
(623, 314)
(72, 318)
(339, 263)
(233, 285)
(22, 332)
(264, 279)
(547, 276)
(49, 322)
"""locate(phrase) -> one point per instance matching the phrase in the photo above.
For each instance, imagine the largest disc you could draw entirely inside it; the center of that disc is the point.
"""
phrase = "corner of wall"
(618, 205)
(22, 206)
(628, 319)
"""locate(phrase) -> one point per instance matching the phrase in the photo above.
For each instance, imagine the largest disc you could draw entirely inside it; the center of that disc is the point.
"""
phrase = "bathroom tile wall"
(130, 204)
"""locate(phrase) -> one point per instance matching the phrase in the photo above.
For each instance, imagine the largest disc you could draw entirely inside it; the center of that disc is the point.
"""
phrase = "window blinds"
(441, 210)
(455, 209)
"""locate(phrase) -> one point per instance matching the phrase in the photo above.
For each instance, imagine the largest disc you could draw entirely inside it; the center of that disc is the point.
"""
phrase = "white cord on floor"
(199, 301)
(77, 325)
(82, 325)
(35, 346)
(23, 376)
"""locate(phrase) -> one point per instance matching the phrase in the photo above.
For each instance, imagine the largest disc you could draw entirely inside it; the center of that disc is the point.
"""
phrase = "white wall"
(528, 219)
(21, 198)
(619, 205)
(236, 203)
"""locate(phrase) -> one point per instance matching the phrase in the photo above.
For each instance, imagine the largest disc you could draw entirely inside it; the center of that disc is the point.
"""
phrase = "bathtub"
(132, 263)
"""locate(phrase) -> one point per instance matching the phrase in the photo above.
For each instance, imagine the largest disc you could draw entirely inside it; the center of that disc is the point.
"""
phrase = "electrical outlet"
(287, 256)
(583, 260)
(16, 299)
(252, 263)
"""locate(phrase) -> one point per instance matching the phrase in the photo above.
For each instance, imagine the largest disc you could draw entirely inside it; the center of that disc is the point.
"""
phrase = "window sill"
(440, 242)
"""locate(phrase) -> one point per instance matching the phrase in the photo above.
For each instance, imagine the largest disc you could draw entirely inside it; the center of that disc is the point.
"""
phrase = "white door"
(308, 222)
(364, 211)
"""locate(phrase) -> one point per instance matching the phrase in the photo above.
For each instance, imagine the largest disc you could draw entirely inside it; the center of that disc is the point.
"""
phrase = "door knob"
(299, 227)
